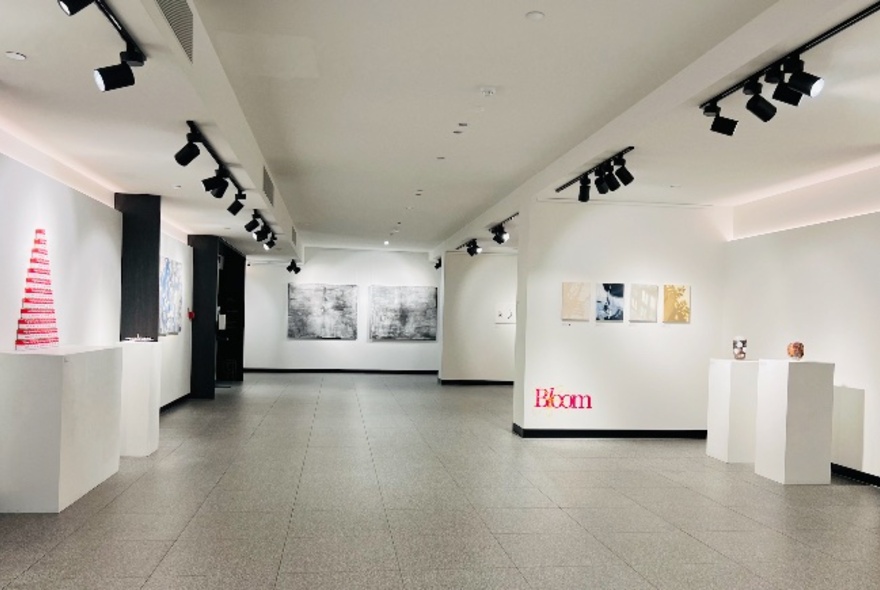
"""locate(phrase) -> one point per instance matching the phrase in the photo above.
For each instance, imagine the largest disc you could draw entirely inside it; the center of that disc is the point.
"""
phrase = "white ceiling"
(351, 103)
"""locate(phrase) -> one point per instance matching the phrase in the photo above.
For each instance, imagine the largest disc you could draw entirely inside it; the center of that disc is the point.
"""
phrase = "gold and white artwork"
(676, 304)
(643, 303)
(576, 302)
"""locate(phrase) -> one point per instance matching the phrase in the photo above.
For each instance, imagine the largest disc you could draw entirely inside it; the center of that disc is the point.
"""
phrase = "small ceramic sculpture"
(739, 349)
(796, 350)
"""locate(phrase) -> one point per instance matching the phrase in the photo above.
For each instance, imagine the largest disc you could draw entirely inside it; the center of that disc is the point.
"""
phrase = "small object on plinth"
(796, 350)
(739, 348)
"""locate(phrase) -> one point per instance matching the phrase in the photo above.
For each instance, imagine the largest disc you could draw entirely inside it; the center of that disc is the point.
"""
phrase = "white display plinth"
(59, 425)
(733, 387)
(793, 424)
(141, 390)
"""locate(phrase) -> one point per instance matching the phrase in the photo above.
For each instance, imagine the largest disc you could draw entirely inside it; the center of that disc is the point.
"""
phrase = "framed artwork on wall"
(322, 312)
(403, 313)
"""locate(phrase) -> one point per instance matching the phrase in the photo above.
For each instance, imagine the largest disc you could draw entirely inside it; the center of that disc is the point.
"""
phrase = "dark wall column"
(230, 341)
(141, 232)
(206, 250)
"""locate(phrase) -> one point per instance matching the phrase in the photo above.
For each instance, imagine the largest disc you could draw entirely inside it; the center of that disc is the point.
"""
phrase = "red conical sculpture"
(36, 325)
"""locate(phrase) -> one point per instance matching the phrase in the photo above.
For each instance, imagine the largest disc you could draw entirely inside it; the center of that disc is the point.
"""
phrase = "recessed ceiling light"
(178, 186)
(462, 124)
(16, 56)
(387, 242)
(441, 157)
(458, 131)
(535, 15)
(409, 207)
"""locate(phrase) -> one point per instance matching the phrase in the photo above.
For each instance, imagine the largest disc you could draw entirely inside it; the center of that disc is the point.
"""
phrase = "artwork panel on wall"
(643, 303)
(676, 304)
(37, 325)
(576, 299)
(505, 313)
(609, 302)
(170, 297)
(403, 313)
(322, 312)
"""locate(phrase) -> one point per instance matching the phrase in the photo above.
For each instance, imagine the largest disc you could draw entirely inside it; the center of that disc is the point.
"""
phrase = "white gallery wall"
(177, 348)
(819, 285)
(475, 347)
(85, 243)
(649, 376)
(267, 345)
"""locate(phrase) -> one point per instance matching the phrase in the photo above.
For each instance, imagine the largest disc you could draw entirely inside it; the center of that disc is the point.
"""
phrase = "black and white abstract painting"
(403, 313)
(609, 302)
(322, 312)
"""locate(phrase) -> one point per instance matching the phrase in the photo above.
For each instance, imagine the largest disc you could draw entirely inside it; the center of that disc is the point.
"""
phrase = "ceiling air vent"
(180, 18)
(293, 235)
(268, 186)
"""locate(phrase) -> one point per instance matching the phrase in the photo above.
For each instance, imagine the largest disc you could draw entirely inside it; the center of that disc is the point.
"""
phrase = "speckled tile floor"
(321, 482)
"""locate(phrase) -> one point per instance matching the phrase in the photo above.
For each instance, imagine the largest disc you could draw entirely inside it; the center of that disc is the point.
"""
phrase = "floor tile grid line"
(75, 530)
(299, 479)
(381, 494)
(495, 535)
(214, 487)
(744, 563)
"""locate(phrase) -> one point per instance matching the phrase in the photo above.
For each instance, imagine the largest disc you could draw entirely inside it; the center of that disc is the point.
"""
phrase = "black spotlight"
(499, 234)
(217, 184)
(584, 191)
(711, 110)
(263, 234)
(133, 56)
(293, 267)
(253, 224)
(723, 125)
(71, 7)
(786, 94)
(236, 206)
(622, 173)
(758, 105)
(761, 108)
(114, 77)
(473, 248)
(806, 84)
(601, 185)
(610, 179)
(190, 151)
(269, 244)
(438, 264)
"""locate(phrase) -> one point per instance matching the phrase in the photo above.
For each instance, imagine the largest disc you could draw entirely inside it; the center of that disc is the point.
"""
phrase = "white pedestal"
(848, 428)
(59, 425)
(793, 425)
(141, 390)
(733, 387)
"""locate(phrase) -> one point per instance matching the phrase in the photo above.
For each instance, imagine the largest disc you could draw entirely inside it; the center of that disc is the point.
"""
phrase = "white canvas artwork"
(576, 299)
(170, 297)
(643, 303)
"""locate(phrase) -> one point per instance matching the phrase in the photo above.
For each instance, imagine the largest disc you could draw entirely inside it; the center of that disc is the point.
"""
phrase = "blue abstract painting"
(170, 297)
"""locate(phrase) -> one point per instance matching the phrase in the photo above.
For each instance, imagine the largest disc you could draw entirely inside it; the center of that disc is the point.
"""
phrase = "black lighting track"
(194, 129)
(130, 43)
(604, 162)
(505, 220)
(818, 40)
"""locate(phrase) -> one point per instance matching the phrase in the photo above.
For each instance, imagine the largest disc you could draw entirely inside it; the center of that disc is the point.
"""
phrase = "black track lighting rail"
(604, 162)
(818, 40)
(505, 220)
(197, 133)
(130, 43)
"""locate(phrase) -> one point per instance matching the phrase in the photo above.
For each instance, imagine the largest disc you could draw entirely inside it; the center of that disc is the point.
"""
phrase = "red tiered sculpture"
(36, 325)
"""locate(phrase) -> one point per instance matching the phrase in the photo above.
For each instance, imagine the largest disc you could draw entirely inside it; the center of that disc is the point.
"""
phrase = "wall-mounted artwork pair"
(329, 312)
(579, 304)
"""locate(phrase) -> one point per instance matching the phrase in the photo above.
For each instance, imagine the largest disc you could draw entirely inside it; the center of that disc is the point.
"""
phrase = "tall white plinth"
(733, 387)
(141, 390)
(59, 425)
(793, 423)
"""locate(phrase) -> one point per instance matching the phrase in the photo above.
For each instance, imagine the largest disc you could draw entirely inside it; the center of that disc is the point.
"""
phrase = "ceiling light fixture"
(191, 150)
(606, 177)
(120, 75)
(16, 56)
(217, 184)
(253, 224)
(499, 234)
(799, 83)
(263, 233)
(269, 244)
(238, 204)
(535, 15)
(293, 267)
(473, 248)
(438, 263)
